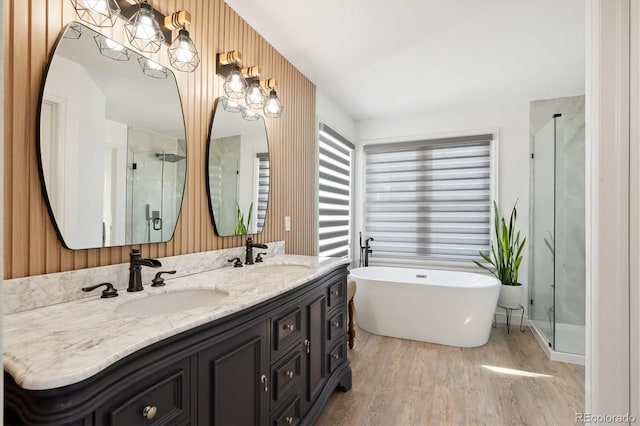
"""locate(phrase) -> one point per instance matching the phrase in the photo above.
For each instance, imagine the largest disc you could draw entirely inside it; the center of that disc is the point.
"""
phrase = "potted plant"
(505, 258)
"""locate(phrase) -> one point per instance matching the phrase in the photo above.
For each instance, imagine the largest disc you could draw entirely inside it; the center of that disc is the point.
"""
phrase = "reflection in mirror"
(111, 143)
(237, 171)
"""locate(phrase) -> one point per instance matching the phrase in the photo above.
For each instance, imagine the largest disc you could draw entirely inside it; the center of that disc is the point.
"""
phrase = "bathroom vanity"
(272, 352)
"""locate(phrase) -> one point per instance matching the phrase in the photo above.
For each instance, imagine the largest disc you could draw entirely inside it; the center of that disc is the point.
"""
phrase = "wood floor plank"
(403, 382)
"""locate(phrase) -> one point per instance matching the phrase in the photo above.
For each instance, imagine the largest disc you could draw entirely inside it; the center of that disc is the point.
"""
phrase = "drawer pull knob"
(289, 327)
(289, 374)
(288, 420)
(335, 292)
(265, 383)
(336, 324)
(149, 412)
(336, 356)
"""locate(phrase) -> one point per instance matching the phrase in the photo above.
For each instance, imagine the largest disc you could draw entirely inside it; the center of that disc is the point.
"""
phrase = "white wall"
(510, 118)
(332, 115)
(83, 123)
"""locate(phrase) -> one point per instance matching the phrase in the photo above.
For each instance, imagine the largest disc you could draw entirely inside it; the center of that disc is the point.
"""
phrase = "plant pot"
(510, 296)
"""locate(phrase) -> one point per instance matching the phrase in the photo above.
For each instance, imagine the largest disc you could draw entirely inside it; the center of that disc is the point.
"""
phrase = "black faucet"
(135, 266)
(365, 251)
(248, 259)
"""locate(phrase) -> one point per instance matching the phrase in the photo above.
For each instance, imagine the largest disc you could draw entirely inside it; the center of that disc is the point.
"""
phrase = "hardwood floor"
(402, 382)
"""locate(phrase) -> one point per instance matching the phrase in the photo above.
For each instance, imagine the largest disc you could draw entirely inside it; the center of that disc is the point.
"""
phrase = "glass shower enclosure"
(557, 242)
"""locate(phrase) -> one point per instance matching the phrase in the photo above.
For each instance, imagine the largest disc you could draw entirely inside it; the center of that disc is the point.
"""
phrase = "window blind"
(263, 188)
(334, 193)
(430, 199)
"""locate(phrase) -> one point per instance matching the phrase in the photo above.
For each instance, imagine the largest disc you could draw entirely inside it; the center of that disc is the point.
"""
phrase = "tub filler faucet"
(365, 251)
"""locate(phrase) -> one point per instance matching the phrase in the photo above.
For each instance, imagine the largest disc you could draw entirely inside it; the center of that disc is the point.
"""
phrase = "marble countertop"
(66, 343)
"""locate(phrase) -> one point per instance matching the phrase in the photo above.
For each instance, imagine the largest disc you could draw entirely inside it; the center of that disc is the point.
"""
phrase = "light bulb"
(255, 97)
(144, 28)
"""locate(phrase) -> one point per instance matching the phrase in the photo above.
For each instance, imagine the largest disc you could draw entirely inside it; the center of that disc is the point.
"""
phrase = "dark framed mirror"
(112, 143)
(237, 170)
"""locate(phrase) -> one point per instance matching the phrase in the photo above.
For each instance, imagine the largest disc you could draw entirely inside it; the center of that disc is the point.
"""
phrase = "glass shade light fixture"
(143, 30)
(112, 49)
(101, 13)
(183, 55)
(152, 69)
(255, 96)
(235, 85)
(245, 84)
(273, 107)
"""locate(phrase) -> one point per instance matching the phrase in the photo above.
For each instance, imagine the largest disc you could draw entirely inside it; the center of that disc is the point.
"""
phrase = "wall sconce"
(245, 84)
(101, 13)
(143, 28)
(255, 96)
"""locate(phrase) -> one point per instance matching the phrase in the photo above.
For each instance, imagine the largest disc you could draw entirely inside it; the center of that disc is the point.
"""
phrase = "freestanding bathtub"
(448, 308)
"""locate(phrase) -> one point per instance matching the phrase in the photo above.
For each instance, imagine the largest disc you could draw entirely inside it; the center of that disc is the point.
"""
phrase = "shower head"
(171, 158)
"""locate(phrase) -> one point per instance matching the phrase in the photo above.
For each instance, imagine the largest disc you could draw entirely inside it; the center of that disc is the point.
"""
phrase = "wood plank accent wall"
(31, 29)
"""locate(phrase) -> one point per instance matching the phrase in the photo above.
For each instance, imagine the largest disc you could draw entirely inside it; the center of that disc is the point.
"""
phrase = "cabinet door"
(233, 379)
(315, 337)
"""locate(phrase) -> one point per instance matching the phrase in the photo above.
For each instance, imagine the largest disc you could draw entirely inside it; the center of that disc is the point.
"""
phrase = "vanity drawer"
(336, 294)
(285, 376)
(287, 330)
(336, 356)
(290, 415)
(161, 398)
(335, 327)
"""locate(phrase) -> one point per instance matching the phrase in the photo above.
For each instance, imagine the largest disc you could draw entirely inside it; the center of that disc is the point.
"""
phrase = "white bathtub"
(448, 308)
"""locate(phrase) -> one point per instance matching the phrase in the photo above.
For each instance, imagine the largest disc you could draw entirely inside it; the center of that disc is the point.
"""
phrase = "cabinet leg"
(345, 382)
(352, 328)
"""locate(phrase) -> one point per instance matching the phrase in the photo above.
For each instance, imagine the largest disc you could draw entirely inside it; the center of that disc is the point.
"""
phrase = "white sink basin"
(282, 268)
(168, 303)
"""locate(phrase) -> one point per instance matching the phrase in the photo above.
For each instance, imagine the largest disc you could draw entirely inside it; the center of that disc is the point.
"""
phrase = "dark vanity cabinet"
(276, 363)
(233, 384)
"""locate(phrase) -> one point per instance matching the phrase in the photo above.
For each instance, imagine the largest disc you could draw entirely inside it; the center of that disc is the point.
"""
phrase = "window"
(428, 200)
(334, 193)
(263, 187)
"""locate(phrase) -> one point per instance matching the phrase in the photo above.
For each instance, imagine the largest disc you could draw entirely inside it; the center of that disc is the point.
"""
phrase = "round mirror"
(112, 143)
(237, 169)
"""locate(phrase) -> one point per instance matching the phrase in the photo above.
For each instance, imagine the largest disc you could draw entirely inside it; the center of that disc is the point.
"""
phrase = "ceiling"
(386, 58)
